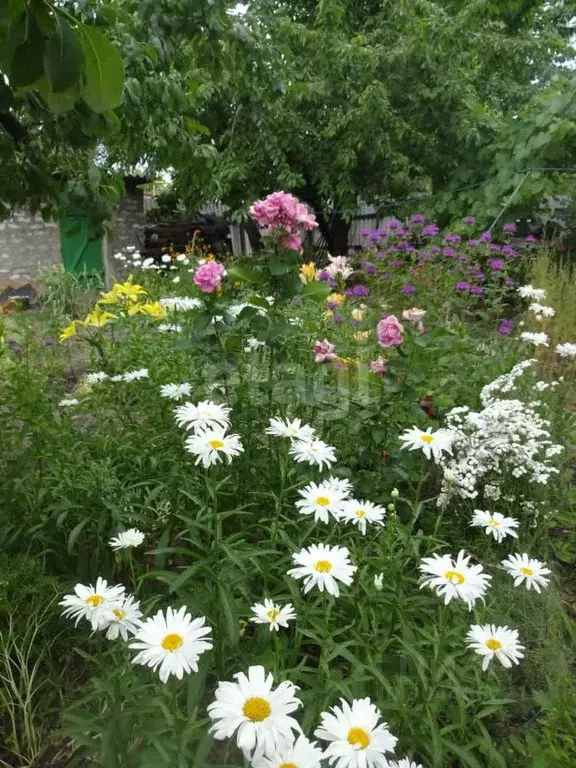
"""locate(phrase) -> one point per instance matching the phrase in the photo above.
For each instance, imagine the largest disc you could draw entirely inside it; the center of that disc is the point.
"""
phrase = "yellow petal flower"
(98, 317)
(153, 309)
(69, 331)
(308, 272)
(335, 298)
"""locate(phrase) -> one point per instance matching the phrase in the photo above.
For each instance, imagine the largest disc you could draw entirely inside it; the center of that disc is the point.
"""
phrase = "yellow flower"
(308, 272)
(127, 291)
(335, 298)
(154, 309)
(328, 314)
(98, 317)
(69, 331)
(361, 335)
(357, 314)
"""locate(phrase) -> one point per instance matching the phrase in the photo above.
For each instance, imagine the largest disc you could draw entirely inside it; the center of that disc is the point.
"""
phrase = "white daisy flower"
(294, 429)
(314, 452)
(257, 713)
(356, 738)
(125, 620)
(454, 578)
(495, 524)
(529, 292)
(362, 512)
(273, 614)
(208, 444)
(176, 279)
(302, 754)
(339, 484)
(404, 763)
(130, 538)
(432, 444)
(176, 391)
(96, 378)
(181, 303)
(203, 415)
(95, 603)
(523, 567)
(169, 328)
(117, 378)
(323, 566)
(491, 641)
(68, 402)
(321, 500)
(538, 339)
(172, 643)
(566, 350)
(379, 582)
(141, 373)
(541, 311)
(166, 258)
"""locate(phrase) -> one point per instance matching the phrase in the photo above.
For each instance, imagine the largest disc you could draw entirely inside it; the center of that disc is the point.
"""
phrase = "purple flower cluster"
(505, 328)
(496, 264)
(408, 289)
(359, 292)
(430, 230)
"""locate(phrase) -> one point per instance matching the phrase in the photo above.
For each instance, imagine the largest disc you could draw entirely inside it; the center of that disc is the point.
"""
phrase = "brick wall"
(27, 245)
(127, 229)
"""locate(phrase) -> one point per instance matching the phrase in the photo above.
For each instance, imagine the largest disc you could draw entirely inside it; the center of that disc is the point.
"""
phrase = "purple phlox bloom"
(509, 227)
(393, 224)
(430, 230)
(496, 264)
(469, 220)
(392, 249)
(370, 269)
(360, 290)
(448, 251)
(508, 251)
(379, 255)
(396, 263)
(338, 319)
(452, 238)
(477, 290)
(435, 249)
(485, 237)
(403, 233)
(495, 248)
(530, 239)
(332, 305)
(505, 327)
(407, 289)
(374, 236)
(463, 258)
(417, 218)
(364, 232)
(463, 285)
(473, 243)
(509, 281)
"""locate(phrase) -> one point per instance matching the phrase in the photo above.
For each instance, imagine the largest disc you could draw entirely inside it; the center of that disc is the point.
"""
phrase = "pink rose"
(292, 241)
(323, 351)
(282, 211)
(378, 366)
(389, 332)
(209, 276)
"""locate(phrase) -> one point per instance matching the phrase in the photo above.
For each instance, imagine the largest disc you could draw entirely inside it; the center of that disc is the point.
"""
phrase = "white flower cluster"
(505, 383)
(507, 436)
(181, 303)
(99, 376)
(130, 257)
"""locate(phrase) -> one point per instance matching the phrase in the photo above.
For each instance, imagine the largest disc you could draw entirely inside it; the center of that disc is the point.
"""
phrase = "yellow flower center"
(216, 444)
(493, 644)
(322, 501)
(172, 642)
(427, 439)
(273, 614)
(494, 523)
(358, 737)
(527, 571)
(119, 613)
(256, 709)
(360, 513)
(323, 566)
(288, 765)
(94, 600)
(454, 577)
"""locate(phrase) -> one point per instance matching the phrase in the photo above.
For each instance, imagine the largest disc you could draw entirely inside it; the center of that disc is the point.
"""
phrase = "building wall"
(127, 228)
(27, 245)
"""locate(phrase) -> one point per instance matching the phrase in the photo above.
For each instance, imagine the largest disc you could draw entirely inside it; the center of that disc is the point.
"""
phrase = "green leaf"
(104, 71)
(27, 63)
(58, 102)
(245, 275)
(75, 533)
(317, 290)
(63, 57)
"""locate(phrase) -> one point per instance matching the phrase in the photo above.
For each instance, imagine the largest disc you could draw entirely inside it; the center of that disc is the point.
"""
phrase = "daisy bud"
(394, 493)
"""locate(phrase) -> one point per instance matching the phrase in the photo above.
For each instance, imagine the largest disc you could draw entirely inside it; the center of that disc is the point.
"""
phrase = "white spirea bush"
(507, 437)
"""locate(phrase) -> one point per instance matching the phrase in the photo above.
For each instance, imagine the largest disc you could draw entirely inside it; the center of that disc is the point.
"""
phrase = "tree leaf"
(63, 57)
(245, 274)
(104, 71)
(27, 63)
(317, 290)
